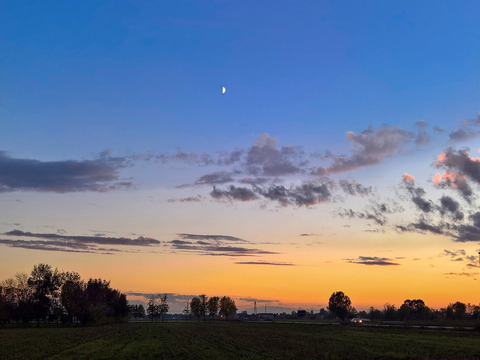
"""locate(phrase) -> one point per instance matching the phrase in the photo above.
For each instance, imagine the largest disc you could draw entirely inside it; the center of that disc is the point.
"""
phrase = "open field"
(233, 340)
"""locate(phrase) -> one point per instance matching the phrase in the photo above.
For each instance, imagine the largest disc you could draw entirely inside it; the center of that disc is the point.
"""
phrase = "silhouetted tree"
(163, 306)
(137, 311)
(390, 312)
(157, 306)
(104, 302)
(196, 307)
(474, 311)
(413, 309)
(456, 311)
(186, 311)
(227, 307)
(375, 314)
(213, 306)
(324, 314)
(74, 299)
(203, 299)
(45, 283)
(53, 295)
(340, 305)
(153, 310)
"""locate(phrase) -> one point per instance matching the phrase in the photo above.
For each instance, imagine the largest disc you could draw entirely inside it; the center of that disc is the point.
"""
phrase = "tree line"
(50, 295)
(203, 307)
(341, 307)
(200, 307)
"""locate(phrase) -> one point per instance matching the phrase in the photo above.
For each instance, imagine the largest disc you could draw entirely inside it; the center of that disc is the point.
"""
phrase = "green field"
(234, 340)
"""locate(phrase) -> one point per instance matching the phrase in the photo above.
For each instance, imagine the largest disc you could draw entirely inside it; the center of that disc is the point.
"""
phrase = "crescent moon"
(224, 90)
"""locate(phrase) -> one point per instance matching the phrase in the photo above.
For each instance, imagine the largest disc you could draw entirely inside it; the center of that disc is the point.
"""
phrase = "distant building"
(265, 316)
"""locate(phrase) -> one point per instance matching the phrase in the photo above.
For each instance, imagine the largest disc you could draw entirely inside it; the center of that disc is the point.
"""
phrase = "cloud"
(466, 130)
(264, 263)
(422, 204)
(467, 274)
(266, 158)
(467, 232)
(211, 237)
(254, 180)
(249, 299)
(171, 297)
(74, 243)
(457, 255)
(451, 180)
(201, 159)
(214, 245)
(305, 194)
(100, 174)
(407, 178)
(353, 188)
(197, 198)
(372, 260)
(80, 239)
(56, 246)
(438, 129)
(423, 226)
(422, 137)
(452, 207)
(369, 148)
(417, 194)
(459, 166)
(460, 162)
(234, 193)
(374, 210)
(215, 178)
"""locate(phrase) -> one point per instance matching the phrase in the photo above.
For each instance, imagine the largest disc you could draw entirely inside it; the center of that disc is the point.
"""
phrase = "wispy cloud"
(468, 129)
(57, 246)
(215, 178)
(456, 255)
(193, 158)
(81, 239)
(250, 299)
(188, 199)
(272, 263)
(306, 194)
(214, 245)
(376, 211)
(211, 237)
(467, 274)
(234, 193)
(372, 260)
(172, 298)
(351, 187)
(73, 243)
(369, 148)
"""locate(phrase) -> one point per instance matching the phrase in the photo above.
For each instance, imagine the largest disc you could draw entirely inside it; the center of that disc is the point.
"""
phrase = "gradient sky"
(343, 155)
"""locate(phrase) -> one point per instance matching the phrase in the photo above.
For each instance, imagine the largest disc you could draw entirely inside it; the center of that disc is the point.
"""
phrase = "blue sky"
(113, 122)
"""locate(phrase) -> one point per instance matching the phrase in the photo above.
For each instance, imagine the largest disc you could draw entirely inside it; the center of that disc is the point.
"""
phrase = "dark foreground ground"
(235, 340)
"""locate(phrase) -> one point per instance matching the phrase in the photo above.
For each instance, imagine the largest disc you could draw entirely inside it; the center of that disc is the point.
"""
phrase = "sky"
(343, 156)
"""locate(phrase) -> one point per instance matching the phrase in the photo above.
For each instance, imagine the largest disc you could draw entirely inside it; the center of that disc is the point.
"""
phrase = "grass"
(235, 340)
